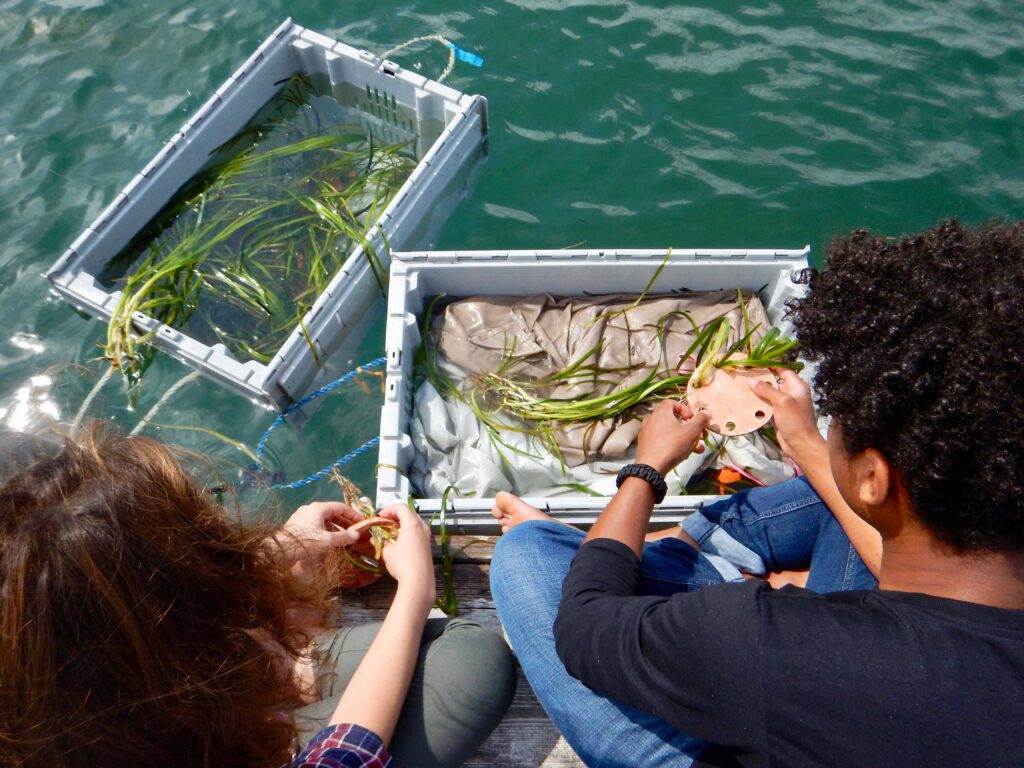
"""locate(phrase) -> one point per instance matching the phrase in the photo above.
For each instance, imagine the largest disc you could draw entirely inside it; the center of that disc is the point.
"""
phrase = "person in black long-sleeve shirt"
(924, 470)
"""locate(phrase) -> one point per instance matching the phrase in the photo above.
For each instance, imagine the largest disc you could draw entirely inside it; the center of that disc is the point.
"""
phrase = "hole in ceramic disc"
(730, 426)
(758, 414)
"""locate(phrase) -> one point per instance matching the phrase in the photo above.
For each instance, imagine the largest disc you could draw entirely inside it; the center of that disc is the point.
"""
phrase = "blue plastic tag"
(466, 56)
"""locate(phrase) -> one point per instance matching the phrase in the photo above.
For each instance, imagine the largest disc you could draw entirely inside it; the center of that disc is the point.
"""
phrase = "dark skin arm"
(797, 429)
(667, 436)
(777, 580)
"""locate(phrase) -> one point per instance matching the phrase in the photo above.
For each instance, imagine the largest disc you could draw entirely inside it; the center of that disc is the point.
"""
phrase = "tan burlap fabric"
(535, 336)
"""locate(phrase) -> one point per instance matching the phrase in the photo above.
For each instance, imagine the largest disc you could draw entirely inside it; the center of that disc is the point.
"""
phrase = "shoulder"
(878, 608)
(802, 622)
(888, 678)
(344, 746)
(909, 644)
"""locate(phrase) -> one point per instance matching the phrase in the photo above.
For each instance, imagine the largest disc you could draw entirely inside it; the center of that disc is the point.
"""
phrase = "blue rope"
(327, 470)
(261, 446)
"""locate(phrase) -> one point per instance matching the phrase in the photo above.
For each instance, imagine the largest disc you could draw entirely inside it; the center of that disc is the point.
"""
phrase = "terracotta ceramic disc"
(734, 408)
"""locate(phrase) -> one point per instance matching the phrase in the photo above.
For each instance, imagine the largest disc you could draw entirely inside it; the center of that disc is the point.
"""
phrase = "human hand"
(796, 425)
(669, 434)
(409, 558)
(315, 528)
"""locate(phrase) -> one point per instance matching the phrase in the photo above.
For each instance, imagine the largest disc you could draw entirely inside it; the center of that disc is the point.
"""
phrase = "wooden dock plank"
(471, 586)
(468, 549)
(523, 742)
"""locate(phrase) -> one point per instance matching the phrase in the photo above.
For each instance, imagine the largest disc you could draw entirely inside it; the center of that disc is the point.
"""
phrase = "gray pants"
(463, 683)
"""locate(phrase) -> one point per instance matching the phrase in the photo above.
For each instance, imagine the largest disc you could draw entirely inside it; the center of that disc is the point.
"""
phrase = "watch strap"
(647, 473)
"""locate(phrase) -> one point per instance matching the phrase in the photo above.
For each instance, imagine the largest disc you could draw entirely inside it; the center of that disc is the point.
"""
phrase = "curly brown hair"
(917, 343)
(141, 623)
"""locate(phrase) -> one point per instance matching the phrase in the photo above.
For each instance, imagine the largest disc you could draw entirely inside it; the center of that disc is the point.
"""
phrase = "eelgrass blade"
(226, 220)
(447, 601)
(640, 296)
(235, 443)
(579, 488)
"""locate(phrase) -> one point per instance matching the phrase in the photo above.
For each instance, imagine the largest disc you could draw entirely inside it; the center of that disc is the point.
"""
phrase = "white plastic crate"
(451, 143)
(416, 278)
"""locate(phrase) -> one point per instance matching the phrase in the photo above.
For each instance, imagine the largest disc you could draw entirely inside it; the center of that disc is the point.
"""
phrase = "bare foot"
(510, 511)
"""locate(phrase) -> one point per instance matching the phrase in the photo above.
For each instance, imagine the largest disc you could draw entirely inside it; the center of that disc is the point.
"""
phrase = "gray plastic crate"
(416, 278)
(451, 135)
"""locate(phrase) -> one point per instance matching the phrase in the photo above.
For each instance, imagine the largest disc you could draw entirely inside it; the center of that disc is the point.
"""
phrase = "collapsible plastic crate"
(450, 130)
(416, 278)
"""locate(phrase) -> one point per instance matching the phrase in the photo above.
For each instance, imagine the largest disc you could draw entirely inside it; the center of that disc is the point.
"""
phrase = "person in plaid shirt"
(345, 746)
(373, 697)
(144, 623)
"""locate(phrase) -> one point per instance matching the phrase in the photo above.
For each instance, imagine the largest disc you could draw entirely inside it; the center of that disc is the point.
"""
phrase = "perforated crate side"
(413, 218)
(375, 88)
(419, 276)
(403, 339)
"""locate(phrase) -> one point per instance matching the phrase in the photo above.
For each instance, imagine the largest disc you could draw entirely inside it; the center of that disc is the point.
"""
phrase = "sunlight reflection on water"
(31, 407)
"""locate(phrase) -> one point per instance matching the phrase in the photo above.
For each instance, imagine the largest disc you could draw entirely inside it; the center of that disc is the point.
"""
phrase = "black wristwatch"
(645, 472)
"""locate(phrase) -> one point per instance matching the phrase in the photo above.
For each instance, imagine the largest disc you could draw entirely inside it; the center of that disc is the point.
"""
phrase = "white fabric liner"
(453, 449)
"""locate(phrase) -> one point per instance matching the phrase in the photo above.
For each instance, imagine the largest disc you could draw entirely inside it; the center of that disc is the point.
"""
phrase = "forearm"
(812, 458)
(667, 436)
(626, 517)
(374, 696)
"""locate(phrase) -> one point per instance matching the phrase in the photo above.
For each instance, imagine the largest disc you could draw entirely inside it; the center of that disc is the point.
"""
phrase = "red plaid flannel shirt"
(344, 746)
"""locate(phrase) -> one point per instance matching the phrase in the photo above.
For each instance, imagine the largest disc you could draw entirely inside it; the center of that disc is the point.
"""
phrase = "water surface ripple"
(613, 124)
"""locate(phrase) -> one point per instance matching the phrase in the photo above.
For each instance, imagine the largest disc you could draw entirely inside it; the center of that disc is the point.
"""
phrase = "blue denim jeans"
(781, 527)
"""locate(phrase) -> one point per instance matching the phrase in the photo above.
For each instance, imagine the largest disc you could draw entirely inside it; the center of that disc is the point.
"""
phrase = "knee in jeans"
(522, 543)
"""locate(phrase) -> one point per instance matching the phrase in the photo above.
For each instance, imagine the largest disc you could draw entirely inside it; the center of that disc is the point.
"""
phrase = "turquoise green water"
(613, 124)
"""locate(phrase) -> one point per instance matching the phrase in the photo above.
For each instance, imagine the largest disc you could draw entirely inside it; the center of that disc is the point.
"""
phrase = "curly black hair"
(919, 357)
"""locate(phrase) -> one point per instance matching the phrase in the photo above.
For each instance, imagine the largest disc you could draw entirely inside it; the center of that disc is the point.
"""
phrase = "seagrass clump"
(245, 249)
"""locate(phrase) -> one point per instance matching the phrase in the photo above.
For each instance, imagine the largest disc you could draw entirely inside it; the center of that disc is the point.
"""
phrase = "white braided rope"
(84, 407)
(427, 38)
(163, 399)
